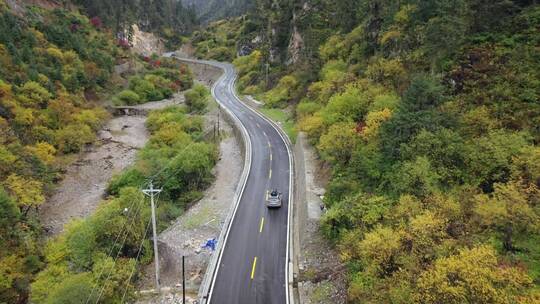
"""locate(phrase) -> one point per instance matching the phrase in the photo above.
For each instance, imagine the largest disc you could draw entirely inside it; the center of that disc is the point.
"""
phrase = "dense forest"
(428, 113)
(169, 18)
(212, 10)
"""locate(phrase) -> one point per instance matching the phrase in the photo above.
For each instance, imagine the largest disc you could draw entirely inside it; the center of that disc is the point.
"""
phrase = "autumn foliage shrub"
(197, 98)
(49, 59)
(155, 82)
(127, 97)
(147, 90)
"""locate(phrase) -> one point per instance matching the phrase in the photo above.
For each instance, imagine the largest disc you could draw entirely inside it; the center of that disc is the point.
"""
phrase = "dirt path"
(83, 187)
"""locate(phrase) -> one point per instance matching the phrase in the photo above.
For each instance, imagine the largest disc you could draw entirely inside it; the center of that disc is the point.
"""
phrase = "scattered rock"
(322, 277)
(85, 180)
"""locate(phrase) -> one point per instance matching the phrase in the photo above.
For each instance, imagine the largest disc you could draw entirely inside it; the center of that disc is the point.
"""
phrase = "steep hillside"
(169, 18)
(50, 61)
(221, 40)
(211, 10)
(56, 70)
(428, 114)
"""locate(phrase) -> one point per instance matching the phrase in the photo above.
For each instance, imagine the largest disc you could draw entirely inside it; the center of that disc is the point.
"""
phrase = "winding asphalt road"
(252, 268)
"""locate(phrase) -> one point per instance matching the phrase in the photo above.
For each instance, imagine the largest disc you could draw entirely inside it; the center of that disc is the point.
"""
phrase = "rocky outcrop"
(145, 43)
(296, 44)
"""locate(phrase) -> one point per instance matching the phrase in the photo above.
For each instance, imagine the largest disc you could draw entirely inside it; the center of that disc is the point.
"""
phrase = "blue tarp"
(210, 244)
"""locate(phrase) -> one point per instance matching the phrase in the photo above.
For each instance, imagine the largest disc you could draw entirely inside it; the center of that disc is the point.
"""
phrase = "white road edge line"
(238, 197)
(289, 263)
(288, 144)
(213, 266)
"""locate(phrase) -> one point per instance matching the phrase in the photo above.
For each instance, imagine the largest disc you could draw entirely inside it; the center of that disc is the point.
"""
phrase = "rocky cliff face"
(296, 46)
(296, 42)
(296, 28)
(145, 43)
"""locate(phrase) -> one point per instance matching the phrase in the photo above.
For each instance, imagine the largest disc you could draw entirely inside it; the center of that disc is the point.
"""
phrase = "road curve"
(252, 268)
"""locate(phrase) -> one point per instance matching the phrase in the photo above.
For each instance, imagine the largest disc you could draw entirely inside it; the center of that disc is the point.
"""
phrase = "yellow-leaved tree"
(510, 210)
(473, 276)
(26, 191)
(337, 144)
(43, 151)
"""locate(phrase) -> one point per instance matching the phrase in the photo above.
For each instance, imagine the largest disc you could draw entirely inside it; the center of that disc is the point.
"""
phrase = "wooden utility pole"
(218, 120)
(151, 192)
(183, 280)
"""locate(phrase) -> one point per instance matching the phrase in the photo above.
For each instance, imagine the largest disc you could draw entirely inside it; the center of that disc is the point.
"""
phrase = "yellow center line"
(253, 268)
(262, 225)
(270, 156)
(270, 174)
(269, 145)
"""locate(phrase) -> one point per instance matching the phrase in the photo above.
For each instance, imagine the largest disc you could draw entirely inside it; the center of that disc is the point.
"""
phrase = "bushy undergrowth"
(159, 79)
(98, 258)
(251, 72)
(218, 40)
(197, 98)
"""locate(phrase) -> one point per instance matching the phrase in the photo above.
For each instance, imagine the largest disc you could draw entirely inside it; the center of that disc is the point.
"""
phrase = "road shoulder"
(318, 273)
(321, 275)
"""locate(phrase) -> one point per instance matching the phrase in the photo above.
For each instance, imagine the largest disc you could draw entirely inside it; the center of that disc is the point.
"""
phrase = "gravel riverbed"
(83, 185)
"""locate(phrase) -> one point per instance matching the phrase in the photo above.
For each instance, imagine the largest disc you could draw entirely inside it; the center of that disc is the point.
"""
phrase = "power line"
(150, 181)
(124, 225)
(136, 260)
(116, 258)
